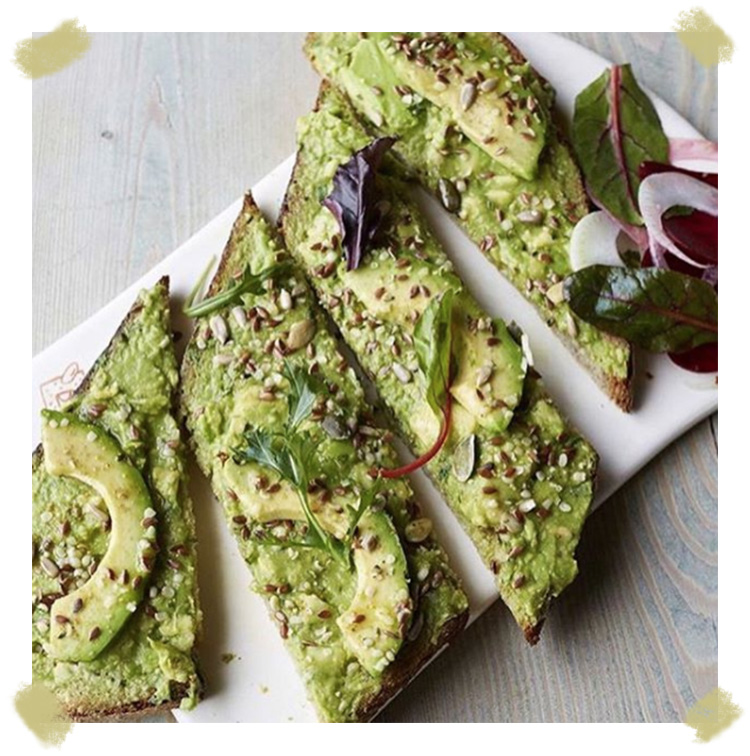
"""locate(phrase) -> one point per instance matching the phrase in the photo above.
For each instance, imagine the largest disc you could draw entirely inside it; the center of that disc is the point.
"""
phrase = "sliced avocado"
(374, 84)
(490, 374)
(279, 501)
(371, 624)
(85, 621)
(374, 624)
(493, 102)
(395, 293)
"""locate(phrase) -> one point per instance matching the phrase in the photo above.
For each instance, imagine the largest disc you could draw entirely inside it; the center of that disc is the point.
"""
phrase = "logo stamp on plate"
(58, 390)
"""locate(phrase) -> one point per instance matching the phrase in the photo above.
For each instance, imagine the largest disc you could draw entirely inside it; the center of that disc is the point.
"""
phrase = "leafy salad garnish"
(433, 343)
(354, 200)
(669, 303)
(293, 456)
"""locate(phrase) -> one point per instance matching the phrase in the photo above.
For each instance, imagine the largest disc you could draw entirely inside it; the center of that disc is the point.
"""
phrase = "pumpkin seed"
(449, 195)
(464, 458)
(418, 530)
(301, 334)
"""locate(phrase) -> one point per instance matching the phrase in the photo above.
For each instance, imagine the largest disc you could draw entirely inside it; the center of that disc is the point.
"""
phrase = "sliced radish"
(594, 241)
(693, 149)
(638, 235)
(662, 191)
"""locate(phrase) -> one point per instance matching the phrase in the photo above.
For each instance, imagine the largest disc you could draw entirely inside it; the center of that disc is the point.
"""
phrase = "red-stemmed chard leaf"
(660, 310)
(354, 200)
(433, 342)
(697, 235)
(615, 129)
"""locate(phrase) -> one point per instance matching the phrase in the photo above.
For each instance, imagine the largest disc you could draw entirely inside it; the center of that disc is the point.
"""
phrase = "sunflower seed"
(468, 95)
(334, 428)
(219, 329)
(238, 313)
(401, 372)
(530, 217)
(484, 374)
(556, 293)
(50, 567)
(488, 85)
(285, 300)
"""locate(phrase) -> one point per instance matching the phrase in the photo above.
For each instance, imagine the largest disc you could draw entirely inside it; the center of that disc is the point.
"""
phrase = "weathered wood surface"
(151, 135)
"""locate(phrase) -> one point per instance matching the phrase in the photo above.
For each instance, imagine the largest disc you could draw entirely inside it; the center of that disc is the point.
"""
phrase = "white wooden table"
(150, 135)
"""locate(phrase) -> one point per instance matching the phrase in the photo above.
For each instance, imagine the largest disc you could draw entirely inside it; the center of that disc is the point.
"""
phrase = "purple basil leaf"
(354, 200)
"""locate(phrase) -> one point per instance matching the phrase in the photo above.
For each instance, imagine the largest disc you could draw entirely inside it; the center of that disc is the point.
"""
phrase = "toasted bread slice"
(526, 482)
(521, 223)
(149, 664)
(234, 381)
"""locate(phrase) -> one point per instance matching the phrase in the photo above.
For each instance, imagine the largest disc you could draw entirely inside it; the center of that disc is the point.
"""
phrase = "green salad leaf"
(433, 342)
(658, 309)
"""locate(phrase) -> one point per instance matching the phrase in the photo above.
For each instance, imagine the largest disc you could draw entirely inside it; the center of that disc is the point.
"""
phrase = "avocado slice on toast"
(115, 614)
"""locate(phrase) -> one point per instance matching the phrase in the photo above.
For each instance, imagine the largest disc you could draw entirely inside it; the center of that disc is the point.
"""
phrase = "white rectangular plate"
(260, 684)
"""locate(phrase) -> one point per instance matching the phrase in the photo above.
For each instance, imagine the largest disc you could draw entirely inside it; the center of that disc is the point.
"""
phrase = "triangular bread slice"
(234, 380)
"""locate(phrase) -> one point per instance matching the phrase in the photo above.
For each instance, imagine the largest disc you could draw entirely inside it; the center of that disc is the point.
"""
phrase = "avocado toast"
(115, 613)
(476, 127)
(518, 478)
(358, 588)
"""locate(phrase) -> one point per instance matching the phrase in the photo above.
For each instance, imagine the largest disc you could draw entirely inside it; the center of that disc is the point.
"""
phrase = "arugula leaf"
(615, 129)
(248, 283)
(433, 341)
(354, 200)
(660, 310)
(303, 392)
